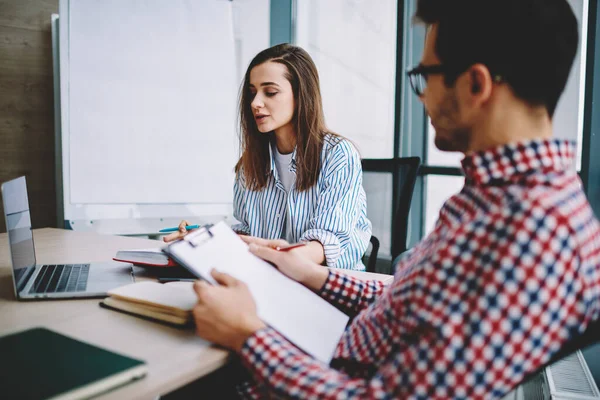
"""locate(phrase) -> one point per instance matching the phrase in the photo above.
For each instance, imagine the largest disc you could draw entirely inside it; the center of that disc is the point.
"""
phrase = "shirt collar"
(272, 158)
(517, 159)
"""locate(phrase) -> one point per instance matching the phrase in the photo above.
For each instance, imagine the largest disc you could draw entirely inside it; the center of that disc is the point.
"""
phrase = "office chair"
(404, 172)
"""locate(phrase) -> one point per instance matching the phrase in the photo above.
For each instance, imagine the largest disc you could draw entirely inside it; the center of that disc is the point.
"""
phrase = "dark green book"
(41, 364)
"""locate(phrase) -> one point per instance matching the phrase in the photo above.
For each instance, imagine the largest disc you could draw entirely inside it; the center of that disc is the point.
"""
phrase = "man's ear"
(481, 82)
(475, 86)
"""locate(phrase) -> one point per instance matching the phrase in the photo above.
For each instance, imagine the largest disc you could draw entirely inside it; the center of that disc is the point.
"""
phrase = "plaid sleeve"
(349, 294)
(288, 372)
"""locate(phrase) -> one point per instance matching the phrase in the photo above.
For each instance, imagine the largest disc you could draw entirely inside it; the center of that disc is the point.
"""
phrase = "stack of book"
(155, 261)
(145, 257)
(171, 303)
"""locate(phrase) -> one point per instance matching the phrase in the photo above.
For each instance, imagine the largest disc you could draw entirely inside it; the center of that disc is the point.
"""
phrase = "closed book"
(171, 303)
(145, 257)
(42, 364)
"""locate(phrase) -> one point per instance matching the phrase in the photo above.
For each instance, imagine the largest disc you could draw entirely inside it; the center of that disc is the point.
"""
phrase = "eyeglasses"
(418, 75)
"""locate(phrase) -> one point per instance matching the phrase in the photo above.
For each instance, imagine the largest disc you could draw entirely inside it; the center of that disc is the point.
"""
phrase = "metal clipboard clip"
(201, 236)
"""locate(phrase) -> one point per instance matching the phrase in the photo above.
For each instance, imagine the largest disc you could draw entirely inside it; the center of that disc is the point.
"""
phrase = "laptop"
(57, 281)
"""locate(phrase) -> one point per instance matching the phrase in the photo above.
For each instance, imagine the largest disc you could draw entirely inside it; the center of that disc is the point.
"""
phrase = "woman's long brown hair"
(308, 119)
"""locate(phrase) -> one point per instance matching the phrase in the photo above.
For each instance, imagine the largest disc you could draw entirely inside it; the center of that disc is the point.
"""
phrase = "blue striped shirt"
(332, 212)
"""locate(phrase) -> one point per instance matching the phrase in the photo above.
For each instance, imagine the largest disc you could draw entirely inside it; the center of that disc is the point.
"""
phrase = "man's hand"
(225, 314)
(293, 264)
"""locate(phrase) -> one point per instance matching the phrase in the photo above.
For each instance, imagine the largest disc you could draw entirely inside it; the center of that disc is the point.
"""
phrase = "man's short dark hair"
(530, 43)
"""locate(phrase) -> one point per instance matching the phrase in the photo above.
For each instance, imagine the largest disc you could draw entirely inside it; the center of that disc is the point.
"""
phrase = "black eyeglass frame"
(426, 70)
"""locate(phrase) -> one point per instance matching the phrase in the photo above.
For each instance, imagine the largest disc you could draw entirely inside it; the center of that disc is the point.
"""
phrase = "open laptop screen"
(18, 225)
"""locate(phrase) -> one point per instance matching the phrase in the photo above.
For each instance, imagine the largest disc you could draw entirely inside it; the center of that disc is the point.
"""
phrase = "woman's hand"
(313, 251)
(292, 263)
(264, 242)
(179, 234)
(225, 314)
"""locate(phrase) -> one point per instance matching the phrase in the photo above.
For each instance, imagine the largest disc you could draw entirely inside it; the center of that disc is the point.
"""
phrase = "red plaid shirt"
(509, 274)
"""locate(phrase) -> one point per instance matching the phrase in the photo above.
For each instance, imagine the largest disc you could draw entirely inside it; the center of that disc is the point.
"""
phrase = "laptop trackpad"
(109, 275)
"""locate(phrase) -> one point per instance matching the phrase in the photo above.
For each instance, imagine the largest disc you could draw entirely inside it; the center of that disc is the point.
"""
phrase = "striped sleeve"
(338, 206)
(240, 212)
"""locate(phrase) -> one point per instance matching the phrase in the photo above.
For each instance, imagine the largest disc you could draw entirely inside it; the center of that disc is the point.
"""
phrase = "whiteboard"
(148, 108)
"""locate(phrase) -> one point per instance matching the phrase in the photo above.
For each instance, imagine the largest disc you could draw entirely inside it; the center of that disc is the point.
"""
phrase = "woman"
(296, 180)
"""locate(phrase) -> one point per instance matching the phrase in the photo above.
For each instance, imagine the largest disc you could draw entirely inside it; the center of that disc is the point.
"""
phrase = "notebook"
(307, 320)
(145, 257)
(171, 303)
(41, 364)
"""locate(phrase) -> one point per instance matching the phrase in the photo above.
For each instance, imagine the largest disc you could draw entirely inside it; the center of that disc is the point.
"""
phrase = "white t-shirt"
(287, 178)
(282, 163)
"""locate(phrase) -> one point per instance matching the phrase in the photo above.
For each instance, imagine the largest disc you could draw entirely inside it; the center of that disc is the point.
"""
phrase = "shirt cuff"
(240, 228)
(349, 294)
(264, 351)
(330, 242)
(327, 288)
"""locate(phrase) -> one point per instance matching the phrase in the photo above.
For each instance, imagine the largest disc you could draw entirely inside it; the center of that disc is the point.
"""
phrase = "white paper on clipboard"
(302, 316)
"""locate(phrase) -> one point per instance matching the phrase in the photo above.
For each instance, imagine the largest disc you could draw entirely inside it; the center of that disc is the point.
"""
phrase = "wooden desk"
(175, 357)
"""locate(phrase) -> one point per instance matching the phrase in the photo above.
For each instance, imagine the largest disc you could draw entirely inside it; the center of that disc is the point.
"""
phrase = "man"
(512, 270)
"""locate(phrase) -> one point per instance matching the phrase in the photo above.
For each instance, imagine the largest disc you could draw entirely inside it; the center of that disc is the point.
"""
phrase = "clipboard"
(302, 316)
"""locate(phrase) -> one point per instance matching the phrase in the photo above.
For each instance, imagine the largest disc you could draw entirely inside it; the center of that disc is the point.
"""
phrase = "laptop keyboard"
(61, 278)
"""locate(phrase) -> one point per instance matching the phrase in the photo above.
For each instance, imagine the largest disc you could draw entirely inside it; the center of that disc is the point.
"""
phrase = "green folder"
(41, 364)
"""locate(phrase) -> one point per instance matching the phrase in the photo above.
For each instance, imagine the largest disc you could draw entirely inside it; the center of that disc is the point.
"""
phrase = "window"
(568, 119)
(439, 189)
(353, 44)
(251, 31)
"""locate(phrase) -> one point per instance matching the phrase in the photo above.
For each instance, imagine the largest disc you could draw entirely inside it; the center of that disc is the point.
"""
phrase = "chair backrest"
(406, 170)
(372, 259)
(404, 173)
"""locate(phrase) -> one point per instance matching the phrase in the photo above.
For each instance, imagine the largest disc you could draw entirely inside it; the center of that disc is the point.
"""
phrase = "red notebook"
(145, 257)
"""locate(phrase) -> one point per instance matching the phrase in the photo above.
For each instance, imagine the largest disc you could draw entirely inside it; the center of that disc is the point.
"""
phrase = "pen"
(177, 228)
(165, 280)
(290, 247)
